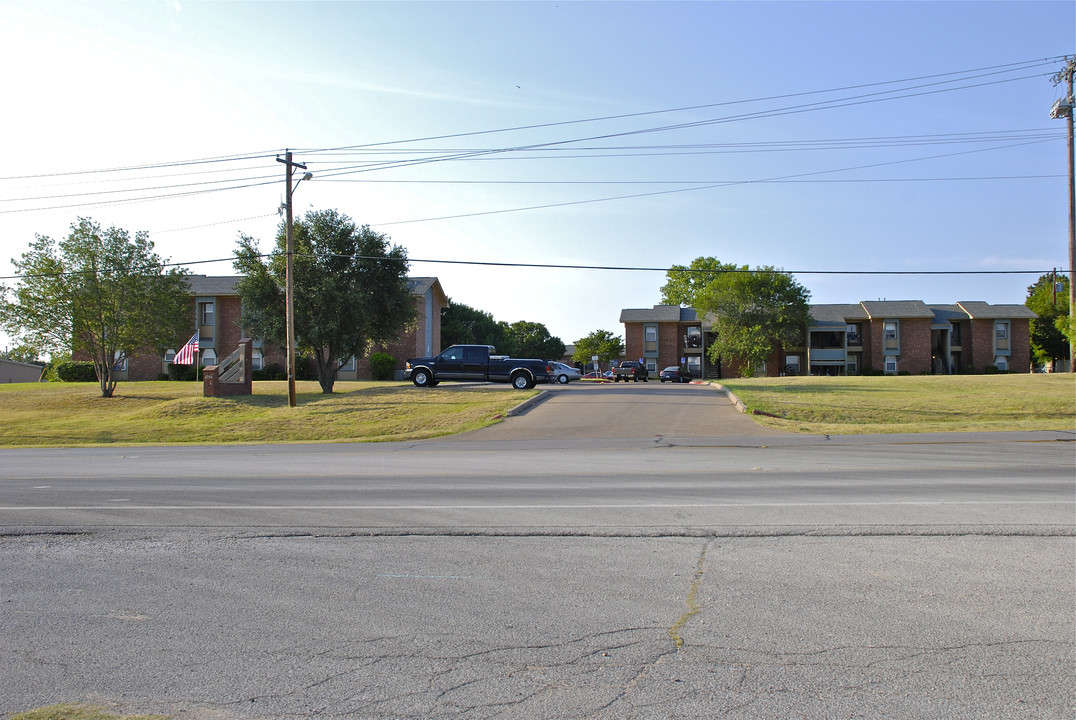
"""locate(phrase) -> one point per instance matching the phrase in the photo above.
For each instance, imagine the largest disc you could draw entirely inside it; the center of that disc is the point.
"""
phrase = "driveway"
(583, 411)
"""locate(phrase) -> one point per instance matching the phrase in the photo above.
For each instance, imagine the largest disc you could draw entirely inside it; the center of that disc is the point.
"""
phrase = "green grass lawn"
(69, 414)
(903, 404)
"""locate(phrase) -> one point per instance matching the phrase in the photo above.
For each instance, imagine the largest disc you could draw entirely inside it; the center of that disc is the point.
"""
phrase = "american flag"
(188, 352)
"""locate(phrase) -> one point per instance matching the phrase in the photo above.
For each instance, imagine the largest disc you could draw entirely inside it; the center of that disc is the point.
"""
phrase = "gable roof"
(896, 309)
(837, 313)
(224, 285)
(659, 313)
(978, 310)
(215, 285)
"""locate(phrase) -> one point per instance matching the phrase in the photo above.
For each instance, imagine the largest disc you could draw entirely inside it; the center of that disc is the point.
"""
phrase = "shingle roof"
(223, 285)
(979, 310)
(837, 313)
(947, 313)
(214, 285)
(659, 313)
(896, 309)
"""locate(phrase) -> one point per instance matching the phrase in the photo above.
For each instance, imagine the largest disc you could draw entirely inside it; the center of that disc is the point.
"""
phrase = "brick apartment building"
(215, 306)
(892, 336)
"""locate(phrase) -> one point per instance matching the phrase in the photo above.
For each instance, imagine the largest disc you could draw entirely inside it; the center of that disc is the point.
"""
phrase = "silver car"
(562, 373)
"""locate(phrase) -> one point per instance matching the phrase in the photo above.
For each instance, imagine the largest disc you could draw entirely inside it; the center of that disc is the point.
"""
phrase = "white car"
(562, 373)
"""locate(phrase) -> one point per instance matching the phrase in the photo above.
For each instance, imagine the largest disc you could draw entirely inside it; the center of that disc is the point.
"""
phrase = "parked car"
(606, 376)
(631, 371)
(562, 373)
(675, 374)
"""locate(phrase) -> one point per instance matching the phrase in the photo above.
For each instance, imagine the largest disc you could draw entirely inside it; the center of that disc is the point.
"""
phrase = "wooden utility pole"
(289, 250)
(1064, 109)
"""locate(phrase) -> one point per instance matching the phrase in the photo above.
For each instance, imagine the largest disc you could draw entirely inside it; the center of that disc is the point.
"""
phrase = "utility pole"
(289, 249)
(1063, 109)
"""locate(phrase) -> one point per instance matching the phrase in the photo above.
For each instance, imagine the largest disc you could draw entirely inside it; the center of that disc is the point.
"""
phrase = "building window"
(256, 360)
(205, 313)
(121, 363)
(209, 357)
(650, 339)
(1001, 334)
(694, 365)
(954, 335)
(651, 365)
(892, 335)
(169, 355)
(1001, 363)
(890, 363)
(855, 333)
(852, 365)
(348, 365)
(693, 339)
(792, 365)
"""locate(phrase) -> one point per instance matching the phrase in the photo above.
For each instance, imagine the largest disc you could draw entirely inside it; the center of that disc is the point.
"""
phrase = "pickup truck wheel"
(522, 381)
(422, 378)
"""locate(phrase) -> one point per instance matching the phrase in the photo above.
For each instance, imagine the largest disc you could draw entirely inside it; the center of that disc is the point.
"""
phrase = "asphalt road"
(666, 571)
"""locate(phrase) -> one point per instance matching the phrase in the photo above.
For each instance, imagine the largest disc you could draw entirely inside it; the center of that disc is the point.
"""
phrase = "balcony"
(828, 355)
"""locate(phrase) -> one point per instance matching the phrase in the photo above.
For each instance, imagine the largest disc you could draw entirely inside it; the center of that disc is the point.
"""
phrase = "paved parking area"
(626, 411)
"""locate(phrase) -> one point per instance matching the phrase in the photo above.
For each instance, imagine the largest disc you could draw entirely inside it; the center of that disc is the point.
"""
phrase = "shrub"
(181, 372)
(382, 366)
(71, 371)
(269, 372)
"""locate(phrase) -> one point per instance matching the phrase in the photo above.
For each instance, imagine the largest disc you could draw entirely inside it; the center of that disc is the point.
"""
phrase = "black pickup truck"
(476, 362)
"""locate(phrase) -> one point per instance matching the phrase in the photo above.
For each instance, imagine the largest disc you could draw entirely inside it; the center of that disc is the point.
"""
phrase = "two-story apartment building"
(217, 309)
(905, 336)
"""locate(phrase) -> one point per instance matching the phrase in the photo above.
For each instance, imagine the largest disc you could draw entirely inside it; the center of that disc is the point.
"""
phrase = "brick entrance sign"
(233, 376)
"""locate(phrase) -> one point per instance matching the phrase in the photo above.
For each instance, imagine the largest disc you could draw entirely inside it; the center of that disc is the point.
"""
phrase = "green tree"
(602, 343)
(349, 290)
(101, 293)
(23, 354)
(464, 325)
(1050, 330)
(753, 312)
(526, 339)
(684, 283)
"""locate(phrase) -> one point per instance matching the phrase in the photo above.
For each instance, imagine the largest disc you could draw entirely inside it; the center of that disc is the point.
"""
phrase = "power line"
(681, 190)
(561, 266)
(1011, 67)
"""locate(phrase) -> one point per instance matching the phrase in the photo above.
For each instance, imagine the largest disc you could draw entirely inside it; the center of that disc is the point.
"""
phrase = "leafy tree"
(349, 290)
(753, 311)
(1050, 331)
(532, 340)
(684, 283)
(464, 325)
(23, 354)
(101, 293)
(602, 343)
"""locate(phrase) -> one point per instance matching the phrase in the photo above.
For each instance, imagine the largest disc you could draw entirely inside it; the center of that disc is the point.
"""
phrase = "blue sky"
(844, 136)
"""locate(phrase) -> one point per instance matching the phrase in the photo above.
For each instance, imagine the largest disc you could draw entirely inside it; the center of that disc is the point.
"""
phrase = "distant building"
(890, 336)
(12, 371)
(216, 310)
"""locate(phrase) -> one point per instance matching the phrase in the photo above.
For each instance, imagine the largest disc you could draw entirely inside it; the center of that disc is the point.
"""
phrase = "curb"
(528, 404)
(732, 397)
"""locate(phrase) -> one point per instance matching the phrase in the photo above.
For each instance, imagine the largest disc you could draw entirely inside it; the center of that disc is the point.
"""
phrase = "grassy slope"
(854, 405)
(59, 414)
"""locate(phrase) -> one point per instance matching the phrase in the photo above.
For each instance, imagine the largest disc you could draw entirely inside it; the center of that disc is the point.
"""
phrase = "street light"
(289, 249)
